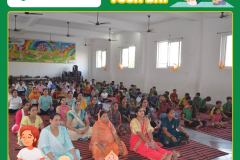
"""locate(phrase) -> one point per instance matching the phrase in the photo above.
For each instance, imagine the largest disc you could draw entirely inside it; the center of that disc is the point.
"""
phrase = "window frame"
(168, 62)
(101, 54)
(223, 51)
(128, 63)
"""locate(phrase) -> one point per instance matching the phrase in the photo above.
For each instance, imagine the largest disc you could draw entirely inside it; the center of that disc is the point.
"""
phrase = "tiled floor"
(217, 143)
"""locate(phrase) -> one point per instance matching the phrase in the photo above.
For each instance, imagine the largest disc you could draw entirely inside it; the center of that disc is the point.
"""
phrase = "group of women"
(56, 139)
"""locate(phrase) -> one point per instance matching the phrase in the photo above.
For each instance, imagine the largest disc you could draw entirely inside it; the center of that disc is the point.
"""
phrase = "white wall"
(98, 73)
(185, 79)
(199, 70)
(214, 81)
(50, 69)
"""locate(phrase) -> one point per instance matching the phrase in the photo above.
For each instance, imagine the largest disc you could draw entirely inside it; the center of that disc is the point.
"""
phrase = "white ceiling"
(81, 26)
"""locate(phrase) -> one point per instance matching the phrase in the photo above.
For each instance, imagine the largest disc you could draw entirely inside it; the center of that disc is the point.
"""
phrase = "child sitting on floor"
(217, 119)
(187, 117)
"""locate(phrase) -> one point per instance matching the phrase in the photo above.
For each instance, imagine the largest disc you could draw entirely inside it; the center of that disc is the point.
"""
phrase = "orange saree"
(103, 141)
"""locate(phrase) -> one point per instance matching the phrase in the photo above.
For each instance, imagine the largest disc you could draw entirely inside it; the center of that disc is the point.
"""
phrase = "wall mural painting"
(25, 50)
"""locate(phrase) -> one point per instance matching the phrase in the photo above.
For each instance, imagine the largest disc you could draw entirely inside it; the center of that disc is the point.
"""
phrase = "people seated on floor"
(124, 109)
(126, 94)
(153, 91)
(217, 119)
(50, 84)
(132, 108)
(19, 115)
(139, 98)
(203, 108)
(144, 105)
(142, 142)
(82, 101)
(187, 96)
(40, 87)
(218, 105)
(121, 86)
(153, 99)
(58, 93)
(78, 123)
(93, 109)
(116, 97)
(65, 88)
(227, 107)
(112, 84)
(45, 103)
(15, 102)
(163, 107)
(94, 92)
(77, 91)
(33, 118)
(133, 91)
(171, 133)
(62, 110)
(92, 82)
(197, 100)
(98, 87)
(115, 116)
(105, 139)
(109, 90)
(87, 90)
(189, 121)
(104, 94)
(70, 100)
(155, 121)
(21, 88)
(54, 141)
(34, 96)
(166, 95)
(174, 98)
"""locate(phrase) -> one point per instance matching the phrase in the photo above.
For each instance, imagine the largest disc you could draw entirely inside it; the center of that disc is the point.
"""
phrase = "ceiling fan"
(98, 23)
(68, 28)
(33, 13)
(148, 24)
(86, 44)
(15, 24)
(109, 35)
(223, 15)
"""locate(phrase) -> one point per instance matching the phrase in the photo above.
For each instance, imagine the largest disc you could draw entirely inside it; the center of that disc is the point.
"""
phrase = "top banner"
(97, 3)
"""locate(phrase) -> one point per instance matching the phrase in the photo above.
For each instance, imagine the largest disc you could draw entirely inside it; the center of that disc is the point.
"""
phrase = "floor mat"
(224, 133)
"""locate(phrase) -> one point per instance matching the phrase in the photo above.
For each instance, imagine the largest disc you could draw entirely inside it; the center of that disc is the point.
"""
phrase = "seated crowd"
(104, 112)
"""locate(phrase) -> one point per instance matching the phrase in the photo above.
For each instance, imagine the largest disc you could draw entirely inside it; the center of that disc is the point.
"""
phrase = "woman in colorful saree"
(105, 139)
(141, 140)
(62, 110)
(55, 142)
(78, 123)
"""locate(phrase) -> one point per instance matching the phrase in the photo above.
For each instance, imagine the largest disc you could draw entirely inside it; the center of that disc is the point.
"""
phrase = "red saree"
(139, 146)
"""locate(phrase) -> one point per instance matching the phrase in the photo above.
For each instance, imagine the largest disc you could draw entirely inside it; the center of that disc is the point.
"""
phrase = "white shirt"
(104, 95)
(26, 154)
(49, 84)
(20, 88)
(14, 103)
